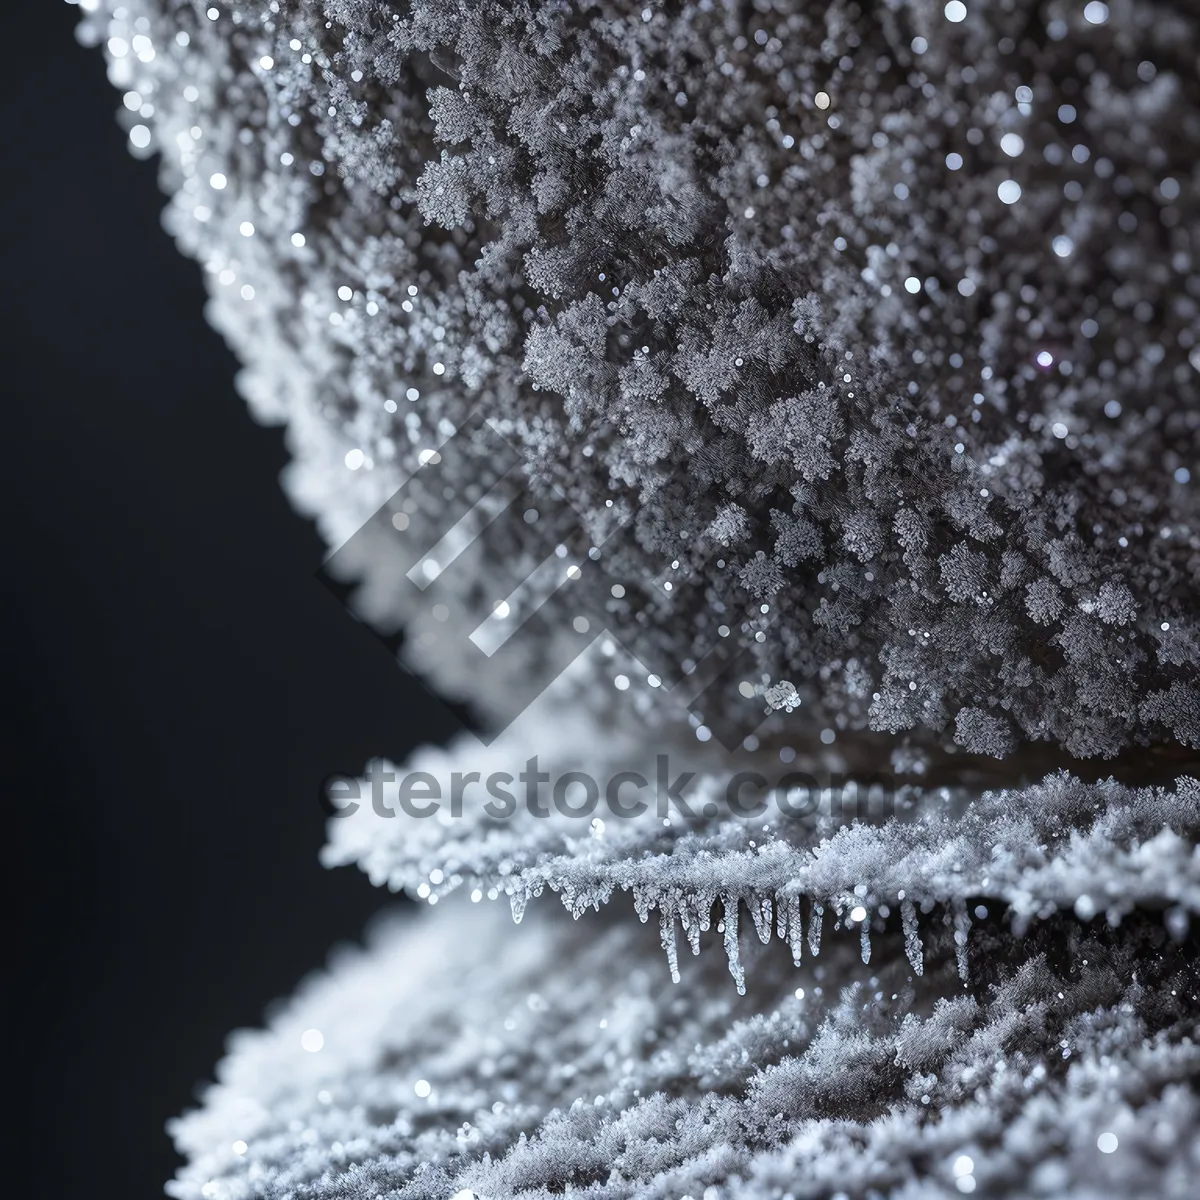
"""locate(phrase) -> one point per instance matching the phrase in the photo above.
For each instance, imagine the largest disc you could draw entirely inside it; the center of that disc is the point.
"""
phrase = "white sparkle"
(312, 1040)
(1009, 191)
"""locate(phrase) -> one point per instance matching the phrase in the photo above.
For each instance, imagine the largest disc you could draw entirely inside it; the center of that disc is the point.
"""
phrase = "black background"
(180, 683)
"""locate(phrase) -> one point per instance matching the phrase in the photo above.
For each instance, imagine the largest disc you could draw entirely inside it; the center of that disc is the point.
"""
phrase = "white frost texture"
(568, 1064)
(852, 346)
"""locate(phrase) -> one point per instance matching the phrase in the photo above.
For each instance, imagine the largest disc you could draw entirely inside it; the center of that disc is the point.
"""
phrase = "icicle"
(814, 929)
(795, 928)
(691, 926)
(781, 916)
(518, 900)
(962, 926)
(731, 944)
(865, 939)
(760, 914)
(667, 925)
(912, 936)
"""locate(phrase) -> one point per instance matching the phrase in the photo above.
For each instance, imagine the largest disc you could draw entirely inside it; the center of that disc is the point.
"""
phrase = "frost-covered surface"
(1091, 849)
(443, 1070)
(873, 328)
(751, 274)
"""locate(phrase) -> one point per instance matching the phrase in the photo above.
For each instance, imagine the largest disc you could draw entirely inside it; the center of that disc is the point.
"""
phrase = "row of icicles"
(779, 914)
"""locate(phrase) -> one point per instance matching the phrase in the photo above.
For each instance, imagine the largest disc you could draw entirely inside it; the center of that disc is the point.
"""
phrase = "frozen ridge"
(1033, 851)
(546, 1072)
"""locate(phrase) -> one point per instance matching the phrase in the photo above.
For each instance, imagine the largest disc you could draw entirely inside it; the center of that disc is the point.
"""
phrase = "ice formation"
(547, 1072)
(860, 337)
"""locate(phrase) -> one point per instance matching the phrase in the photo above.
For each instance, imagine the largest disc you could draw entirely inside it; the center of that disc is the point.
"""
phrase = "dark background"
(180, 684)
